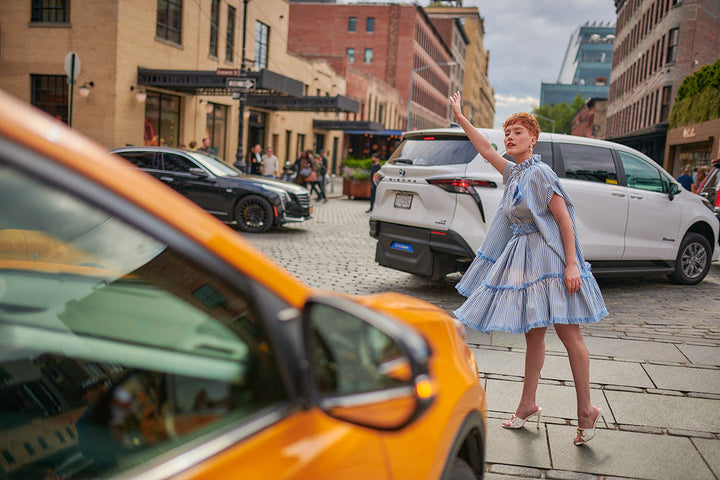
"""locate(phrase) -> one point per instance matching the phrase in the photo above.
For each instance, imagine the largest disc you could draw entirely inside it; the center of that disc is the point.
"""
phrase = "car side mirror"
(198, 172)
(674, 190)
(363, 367)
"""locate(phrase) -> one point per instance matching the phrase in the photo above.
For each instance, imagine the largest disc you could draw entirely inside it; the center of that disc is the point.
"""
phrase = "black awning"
(348, 125)
(272, 90)
(338, 103)
(201, 82)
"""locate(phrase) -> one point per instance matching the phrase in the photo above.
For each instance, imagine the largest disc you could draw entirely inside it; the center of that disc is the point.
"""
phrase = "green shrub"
(698, 97)
(357, 168)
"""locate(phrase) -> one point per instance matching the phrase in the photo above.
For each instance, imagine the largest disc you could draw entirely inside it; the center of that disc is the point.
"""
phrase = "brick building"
(478, 94)
(391, 42)
(658, 43)
(156, 71)
(590, 120)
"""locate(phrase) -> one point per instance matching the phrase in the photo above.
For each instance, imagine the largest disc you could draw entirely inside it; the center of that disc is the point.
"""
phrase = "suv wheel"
(254, 214)
(693, 260)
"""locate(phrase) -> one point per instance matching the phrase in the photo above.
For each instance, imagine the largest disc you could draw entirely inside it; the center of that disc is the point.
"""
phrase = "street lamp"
(549, 120)
(412, 72)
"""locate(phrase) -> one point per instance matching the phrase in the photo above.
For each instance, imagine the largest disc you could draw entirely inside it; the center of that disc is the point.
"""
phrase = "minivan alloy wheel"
(693, 260)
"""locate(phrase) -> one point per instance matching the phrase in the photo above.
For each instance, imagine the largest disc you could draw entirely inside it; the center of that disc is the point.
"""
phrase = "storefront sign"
(688, 132)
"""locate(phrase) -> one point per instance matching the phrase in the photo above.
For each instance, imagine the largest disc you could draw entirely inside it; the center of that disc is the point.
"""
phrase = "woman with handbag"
(306, 174)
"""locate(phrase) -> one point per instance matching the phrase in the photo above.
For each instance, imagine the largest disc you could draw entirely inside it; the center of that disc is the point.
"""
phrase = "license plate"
(403, 200)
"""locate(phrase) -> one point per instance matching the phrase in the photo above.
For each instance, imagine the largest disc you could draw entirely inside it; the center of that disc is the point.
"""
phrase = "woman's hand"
(456, 104)
(572, 278)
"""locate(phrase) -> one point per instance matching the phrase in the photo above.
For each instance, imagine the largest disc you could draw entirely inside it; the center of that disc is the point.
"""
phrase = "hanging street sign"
(72, 66)
(240, 83)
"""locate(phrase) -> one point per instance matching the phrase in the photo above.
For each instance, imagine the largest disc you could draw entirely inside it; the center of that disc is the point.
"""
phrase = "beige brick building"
(478, 94)
(171, 53)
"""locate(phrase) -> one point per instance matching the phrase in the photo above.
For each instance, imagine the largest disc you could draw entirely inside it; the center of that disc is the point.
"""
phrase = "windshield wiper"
(404, 161)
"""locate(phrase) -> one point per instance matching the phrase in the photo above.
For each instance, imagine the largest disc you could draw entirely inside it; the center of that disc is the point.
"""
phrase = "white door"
(601, 205)
(653, 227)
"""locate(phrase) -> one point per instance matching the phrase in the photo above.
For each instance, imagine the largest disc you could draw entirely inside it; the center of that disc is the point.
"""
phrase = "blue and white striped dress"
(515, 282)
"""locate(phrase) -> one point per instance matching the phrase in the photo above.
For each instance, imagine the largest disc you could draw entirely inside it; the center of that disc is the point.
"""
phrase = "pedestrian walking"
(206, 148)
(685, 179)
(270, 163)
(374, 168)
(255, 160)
(530, 272)
(700, 179)
(318, 186)
(306, 175)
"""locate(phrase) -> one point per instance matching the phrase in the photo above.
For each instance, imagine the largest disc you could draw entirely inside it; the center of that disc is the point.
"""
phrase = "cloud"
(511, 100)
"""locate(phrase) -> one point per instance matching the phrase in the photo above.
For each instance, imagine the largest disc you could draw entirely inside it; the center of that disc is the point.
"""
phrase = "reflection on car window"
(214, 164)
(176, 163)
(352, 356)
(642, 175)
(589, 163)
(544, 149)
(139, 159)
(113, 346)
(434, 151)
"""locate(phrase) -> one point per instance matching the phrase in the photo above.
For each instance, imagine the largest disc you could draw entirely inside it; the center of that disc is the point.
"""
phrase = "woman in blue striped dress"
(530, 272)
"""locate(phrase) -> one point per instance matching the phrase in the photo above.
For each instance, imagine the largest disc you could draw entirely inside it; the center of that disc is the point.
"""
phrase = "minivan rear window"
(433, 150)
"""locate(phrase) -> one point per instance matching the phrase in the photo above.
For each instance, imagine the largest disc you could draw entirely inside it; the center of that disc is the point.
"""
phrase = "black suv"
(254, 203)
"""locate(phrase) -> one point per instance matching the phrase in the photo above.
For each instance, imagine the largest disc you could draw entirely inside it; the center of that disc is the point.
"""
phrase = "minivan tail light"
(461, 185)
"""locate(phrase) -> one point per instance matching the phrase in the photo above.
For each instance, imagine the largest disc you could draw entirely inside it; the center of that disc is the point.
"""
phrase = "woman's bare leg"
(580, 365)
(534, 359)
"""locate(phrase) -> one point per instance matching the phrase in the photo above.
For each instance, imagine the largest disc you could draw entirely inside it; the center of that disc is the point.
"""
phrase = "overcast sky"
(527, 40)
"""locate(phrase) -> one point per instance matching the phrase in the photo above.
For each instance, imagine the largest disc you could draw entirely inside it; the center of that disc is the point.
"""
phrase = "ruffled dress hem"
(528, 327)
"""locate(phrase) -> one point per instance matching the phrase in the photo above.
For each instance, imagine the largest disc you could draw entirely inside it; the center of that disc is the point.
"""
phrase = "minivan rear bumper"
(421, 251)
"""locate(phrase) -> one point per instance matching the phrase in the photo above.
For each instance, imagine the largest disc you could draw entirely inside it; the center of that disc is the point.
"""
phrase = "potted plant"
(356, 177)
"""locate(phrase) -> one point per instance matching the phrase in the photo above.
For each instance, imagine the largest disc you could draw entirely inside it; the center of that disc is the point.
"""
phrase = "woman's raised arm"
(483, 146)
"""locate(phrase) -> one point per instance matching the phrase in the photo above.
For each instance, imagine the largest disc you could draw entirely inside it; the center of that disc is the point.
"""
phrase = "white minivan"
(436, 198)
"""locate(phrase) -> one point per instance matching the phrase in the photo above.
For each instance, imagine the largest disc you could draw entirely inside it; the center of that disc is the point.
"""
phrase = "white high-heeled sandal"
(587, 434)
(517, 422)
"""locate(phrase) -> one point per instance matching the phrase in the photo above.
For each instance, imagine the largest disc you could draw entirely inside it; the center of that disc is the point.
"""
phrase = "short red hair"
(526, 120)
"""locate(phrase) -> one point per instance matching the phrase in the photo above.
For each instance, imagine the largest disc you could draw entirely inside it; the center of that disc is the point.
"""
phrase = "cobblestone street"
(655, 360)
(334, 251)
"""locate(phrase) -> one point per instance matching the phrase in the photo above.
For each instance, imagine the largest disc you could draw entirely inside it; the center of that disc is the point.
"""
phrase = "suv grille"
(300, 205)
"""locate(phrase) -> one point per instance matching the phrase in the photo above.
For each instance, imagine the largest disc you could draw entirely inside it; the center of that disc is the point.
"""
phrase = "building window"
(367, 57)
(351, 55)
(262, 36)
(370, 25)
(352, 21)
(230, 38)
(169, 20)
(672, 45)
(50, 94)
(665, 103)
(214, 24)
(50, 11)
(216, 124)
(162, 112)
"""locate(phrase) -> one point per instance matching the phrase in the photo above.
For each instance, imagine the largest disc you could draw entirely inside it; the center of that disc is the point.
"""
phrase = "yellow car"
(142, 338)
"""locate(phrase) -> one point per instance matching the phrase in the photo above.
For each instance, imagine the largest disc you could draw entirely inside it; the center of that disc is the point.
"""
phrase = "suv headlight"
(283, 194)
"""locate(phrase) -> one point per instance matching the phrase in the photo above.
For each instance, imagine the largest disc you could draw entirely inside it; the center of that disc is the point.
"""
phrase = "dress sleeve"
(507, 171)
(545, 183)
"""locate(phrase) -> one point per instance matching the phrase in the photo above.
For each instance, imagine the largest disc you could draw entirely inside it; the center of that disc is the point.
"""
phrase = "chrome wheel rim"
(693, 260)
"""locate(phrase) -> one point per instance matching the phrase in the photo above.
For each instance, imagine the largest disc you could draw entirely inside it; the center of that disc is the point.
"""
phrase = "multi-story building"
(156, 72)
(397, 44)
(463, 28)
(590, 120)
(658, 43)
(586, 67)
